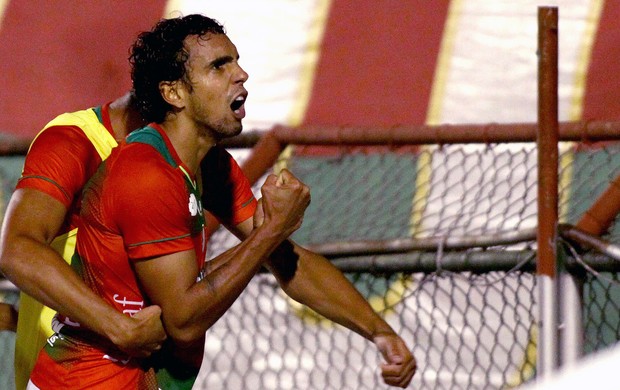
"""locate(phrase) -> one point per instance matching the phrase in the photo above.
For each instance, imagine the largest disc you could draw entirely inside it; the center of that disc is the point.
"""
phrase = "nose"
(241, 76)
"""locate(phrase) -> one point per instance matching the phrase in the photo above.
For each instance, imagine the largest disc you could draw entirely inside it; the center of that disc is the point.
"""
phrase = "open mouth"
(237, 103)
(237, 106)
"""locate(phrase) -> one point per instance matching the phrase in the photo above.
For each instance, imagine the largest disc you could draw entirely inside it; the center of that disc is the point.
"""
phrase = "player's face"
(217, 97)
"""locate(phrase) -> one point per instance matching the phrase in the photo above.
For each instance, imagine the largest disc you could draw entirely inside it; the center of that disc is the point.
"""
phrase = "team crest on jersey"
(194, 205)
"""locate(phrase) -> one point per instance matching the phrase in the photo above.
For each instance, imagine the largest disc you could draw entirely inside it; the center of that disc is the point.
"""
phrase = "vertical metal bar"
(547, 140)
(571, 314)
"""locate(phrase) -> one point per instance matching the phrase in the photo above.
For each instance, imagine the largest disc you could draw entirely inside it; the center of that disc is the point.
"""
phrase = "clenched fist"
(284, 202)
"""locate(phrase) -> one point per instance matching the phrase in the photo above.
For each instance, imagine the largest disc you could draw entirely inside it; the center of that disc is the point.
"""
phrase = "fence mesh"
(266, 341)
(468, 313)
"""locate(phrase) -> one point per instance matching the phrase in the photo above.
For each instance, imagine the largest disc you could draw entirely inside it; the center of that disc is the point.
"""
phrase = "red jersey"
(142, 203)
(63, 157)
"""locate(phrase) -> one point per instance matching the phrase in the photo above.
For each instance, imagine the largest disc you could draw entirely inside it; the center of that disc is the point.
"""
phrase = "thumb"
(150, 311)
(283, 177)
(259, 214)
(286, 177)
(271, 179)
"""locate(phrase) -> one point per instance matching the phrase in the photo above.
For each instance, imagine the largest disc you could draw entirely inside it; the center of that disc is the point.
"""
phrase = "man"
(141, 213)
(44, 205)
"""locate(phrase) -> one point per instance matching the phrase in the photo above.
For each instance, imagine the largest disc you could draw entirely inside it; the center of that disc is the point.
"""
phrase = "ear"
(172, 92)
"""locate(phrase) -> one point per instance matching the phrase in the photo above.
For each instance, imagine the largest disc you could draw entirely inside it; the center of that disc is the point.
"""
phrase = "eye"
(219, 64)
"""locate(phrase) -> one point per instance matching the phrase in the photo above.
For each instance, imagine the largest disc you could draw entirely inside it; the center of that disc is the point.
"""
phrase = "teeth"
(237, 103)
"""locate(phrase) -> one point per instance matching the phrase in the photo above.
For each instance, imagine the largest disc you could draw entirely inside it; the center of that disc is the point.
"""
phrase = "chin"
(229, 133)
(232, 133)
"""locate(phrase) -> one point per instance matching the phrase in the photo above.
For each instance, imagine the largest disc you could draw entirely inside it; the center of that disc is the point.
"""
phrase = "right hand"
(284, 202)
(144, 333)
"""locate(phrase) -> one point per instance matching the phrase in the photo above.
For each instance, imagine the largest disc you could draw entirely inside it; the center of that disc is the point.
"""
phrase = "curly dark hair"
(160, 55)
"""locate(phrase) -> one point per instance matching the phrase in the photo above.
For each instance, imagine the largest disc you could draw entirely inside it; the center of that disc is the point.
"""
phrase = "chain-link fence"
(439, 239)
(467, 331)
(463, 294)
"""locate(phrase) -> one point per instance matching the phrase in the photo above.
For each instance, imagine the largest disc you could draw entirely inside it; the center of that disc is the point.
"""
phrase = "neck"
(190, 143)
(124, 116)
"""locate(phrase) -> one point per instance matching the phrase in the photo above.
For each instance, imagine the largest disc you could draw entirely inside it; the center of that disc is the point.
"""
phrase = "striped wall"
(323, 61)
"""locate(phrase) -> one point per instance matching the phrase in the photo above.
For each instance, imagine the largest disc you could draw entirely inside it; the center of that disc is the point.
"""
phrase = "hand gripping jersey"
(142, 203)
(63, 156)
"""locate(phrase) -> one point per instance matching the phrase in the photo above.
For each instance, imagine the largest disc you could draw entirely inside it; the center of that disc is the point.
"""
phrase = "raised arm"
(190, 307)
(314, 281)
(318, 284)
(30, 223)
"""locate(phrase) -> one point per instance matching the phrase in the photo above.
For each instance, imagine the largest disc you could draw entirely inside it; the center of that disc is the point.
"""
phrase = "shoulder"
(60, 136)
(138, 172)
(59, 162)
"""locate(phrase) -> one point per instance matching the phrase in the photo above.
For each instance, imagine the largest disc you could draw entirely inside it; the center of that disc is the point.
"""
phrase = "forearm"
(189, 313)
(281, 212)
(39, 271)
(318, 284)
(31, 221)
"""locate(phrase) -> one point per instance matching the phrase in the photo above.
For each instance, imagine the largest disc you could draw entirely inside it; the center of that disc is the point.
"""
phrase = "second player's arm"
(31, 221)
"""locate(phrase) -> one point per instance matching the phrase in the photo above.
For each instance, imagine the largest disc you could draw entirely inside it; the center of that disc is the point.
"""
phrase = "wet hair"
(160, 55)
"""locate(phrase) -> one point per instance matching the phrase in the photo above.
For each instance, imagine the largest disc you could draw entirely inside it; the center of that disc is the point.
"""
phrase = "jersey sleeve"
(59, 162)
(149, 206)
(227, 192)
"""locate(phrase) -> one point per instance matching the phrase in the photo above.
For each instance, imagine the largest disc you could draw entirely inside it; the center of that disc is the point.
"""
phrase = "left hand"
(143, 334)
(400, 365)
